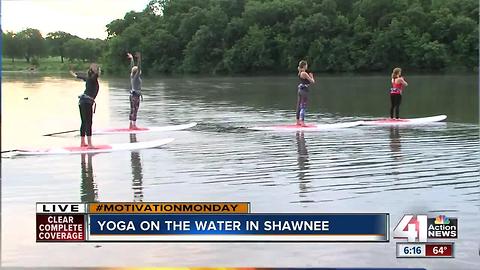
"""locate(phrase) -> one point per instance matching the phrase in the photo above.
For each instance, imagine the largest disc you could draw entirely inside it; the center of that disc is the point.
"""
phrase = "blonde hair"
(134, 69)
(396, 71)
(302, 64)
(94, 68)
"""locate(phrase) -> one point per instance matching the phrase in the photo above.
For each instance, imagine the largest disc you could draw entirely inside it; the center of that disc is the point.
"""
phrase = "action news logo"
(419, 228)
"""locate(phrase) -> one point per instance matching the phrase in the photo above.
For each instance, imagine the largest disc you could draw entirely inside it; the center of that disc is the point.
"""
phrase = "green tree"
(360, 44)
(161, 49)
(300, 42)
(243, 36)
(252, 53)
(93, 49)
(117, 47)
(73, 48)
(56, 43)
(34, 43)
(13, 46)
(234, 30)
(117, 27)
(84, 49)
(204, 51)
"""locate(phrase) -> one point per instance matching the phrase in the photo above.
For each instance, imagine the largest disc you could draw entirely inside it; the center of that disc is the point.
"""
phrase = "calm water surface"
(432, 169)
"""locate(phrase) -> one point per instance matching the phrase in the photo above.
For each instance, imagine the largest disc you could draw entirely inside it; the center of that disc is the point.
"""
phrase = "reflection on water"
(420, 169)
(303, 163)
(137, 175)
(88, 188)
(395, 149)
(395, 142)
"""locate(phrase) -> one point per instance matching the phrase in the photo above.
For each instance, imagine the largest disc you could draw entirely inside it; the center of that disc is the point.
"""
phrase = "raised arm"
(132, 63)
(139, 61)
(79, 75)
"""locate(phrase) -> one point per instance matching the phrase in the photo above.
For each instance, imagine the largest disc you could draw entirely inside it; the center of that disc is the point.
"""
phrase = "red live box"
(439, 250)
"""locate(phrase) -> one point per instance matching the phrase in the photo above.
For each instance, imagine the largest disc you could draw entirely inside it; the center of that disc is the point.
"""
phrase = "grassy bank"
(48, 64)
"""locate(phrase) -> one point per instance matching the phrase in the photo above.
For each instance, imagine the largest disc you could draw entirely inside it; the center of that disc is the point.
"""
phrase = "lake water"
(430, 169)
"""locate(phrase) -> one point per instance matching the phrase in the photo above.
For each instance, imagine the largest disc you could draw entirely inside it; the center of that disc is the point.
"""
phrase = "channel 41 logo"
(420, 228)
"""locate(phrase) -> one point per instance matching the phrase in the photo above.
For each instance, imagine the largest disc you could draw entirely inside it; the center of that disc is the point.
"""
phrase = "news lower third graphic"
(420, 230)
(201, 222)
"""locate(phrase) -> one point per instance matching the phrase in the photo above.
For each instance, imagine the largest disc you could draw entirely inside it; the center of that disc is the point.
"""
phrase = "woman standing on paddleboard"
(86, 102)
(135, 88)
(398, 82)
(302, 91)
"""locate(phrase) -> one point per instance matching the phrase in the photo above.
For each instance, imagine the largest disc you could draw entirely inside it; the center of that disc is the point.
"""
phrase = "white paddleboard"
(411, 121)
(142, 129)
(308, 127)
(98, 148)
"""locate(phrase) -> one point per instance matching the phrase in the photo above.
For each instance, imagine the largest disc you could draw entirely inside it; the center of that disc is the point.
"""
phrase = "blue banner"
(240, 224)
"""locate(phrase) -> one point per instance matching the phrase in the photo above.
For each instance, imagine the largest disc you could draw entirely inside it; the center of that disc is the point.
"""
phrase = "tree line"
(271, 36)
(252, 36)
(30, 45)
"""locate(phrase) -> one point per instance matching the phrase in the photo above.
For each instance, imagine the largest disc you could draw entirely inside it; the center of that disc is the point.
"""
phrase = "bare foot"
(83, 145)
(90, 146)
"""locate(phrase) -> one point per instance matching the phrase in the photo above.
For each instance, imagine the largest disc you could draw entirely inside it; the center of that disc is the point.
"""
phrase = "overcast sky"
(84, 18)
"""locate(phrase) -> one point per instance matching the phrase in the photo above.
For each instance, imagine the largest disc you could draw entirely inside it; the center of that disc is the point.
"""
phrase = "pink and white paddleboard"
(98, 148)
(411, 121)
(308, 127)
(142, 129)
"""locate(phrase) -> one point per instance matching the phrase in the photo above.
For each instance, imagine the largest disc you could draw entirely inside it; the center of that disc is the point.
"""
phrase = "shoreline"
(273, 75)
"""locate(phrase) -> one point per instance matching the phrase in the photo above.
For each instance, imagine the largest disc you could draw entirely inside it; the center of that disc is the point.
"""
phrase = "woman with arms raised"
(135, 89)
(86, 103)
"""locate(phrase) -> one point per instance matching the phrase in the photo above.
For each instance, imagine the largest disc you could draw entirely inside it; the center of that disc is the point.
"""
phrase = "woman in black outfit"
(86, 102)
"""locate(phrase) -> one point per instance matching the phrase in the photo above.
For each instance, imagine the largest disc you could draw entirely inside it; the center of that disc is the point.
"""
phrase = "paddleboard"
(308, 127)
(98, 148)
(411, 121)
(142, 129)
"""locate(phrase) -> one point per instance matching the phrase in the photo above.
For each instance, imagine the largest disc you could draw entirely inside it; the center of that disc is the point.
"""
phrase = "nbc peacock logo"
(442, 219)
(442, 227)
